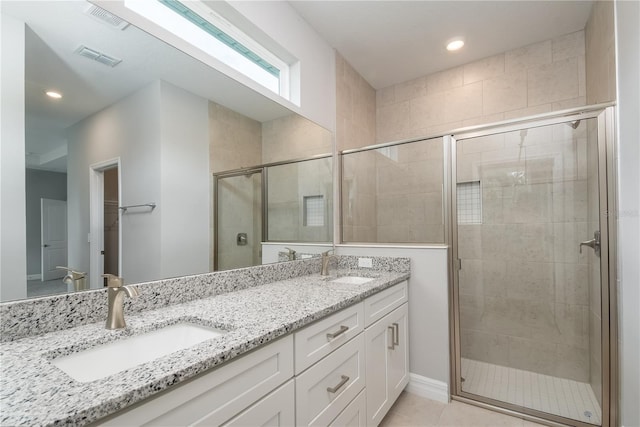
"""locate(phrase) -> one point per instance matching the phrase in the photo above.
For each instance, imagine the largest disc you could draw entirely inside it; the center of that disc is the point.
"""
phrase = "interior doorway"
(111, 237)
(105, 237)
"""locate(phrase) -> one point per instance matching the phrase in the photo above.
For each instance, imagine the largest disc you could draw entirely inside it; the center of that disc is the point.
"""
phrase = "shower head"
(575, 124)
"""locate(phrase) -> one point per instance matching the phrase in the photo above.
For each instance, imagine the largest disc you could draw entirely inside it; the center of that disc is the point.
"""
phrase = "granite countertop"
(35, 392)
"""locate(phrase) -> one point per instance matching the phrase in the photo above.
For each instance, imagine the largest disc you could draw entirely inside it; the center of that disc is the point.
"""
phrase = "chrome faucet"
(115, 292)
(325, 262)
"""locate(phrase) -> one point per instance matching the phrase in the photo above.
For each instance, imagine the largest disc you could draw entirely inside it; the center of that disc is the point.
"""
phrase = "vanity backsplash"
(19, 319)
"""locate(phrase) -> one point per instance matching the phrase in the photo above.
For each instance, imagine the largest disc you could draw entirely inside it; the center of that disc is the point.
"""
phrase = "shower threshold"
(553, 395)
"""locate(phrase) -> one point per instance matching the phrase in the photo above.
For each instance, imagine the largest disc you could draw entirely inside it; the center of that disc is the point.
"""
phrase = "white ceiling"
(389, 42)
(54, 31)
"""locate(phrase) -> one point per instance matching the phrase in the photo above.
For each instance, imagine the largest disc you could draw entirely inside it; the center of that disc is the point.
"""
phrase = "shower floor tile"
(559, 396)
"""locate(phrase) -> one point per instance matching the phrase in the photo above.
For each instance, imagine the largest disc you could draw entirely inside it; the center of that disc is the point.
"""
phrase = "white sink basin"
(352, 280)
(108, 359)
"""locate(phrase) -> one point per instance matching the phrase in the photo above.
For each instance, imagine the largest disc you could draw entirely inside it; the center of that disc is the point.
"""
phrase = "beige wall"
(235, 140)
(293, 137)
(600, 53)
(534, 79)
(355, 108)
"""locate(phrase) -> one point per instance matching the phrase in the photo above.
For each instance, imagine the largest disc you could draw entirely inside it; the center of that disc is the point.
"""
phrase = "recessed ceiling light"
(54, 94)
(455, 44)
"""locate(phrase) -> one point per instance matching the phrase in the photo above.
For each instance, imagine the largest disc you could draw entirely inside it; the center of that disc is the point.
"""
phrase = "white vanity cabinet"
(387, 350)
(344, 370)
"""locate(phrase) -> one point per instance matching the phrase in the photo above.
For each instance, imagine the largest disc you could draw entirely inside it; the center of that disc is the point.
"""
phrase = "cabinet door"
(277, 409)
(387, 362)
(378, 337)
(398, 369)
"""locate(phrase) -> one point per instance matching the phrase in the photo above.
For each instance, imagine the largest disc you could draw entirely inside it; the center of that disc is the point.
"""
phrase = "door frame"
(605, 115)
(96, 220)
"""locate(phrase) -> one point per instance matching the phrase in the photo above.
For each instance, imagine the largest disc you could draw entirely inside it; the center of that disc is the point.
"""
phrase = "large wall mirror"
(121, 171)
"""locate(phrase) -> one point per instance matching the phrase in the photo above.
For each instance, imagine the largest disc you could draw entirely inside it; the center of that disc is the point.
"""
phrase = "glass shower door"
(238, 220)
(529, 284)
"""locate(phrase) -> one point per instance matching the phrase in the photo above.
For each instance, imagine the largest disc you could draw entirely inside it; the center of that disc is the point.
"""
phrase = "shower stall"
(531, 250)
(277, 202)
(522, 207)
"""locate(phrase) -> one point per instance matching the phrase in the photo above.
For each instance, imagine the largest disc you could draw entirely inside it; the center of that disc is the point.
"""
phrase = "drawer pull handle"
(393, 339)
(342, 382)
(339, 332)
(396, 334)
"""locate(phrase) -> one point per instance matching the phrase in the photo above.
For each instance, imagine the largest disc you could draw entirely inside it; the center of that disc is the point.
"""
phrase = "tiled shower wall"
(524, 294)
(394, 194)
(534, 79)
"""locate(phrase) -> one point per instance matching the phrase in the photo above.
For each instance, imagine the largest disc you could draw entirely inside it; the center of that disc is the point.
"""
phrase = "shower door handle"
(593, 243)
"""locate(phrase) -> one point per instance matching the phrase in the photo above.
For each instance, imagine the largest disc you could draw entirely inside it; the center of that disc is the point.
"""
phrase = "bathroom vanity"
(297, 349)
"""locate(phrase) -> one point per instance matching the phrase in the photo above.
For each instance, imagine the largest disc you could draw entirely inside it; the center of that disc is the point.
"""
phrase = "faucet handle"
(326, 253)
(113, 281)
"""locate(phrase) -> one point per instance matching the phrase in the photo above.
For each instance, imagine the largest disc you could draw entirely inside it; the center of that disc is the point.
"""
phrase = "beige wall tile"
(235, 140)
(528, 56)
(485, 346)
(483, 69)
(491, 118)
(600, 53)
(470, 244)
(392, 119)
(504, 93)
(531, 280)
(411, 89)
(532, 355)
(528, 111)
(573, 363)
(553, 82)
(356, 107)
(385, 96)
(444, 80)
(568, 46)
(572, 286)
(570, 103)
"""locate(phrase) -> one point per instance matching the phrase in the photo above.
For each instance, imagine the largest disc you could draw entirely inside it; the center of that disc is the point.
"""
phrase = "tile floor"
(411, 410)
(560, 396)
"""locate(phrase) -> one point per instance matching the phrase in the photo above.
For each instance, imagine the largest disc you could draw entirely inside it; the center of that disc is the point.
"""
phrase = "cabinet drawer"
(275, 409)
(354, 415)
(343, 372)
(376, 306)
(217, 396)
(319, 339)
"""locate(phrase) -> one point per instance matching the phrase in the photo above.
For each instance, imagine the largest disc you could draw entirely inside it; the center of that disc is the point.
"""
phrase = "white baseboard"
(429, 388)
(33, 276)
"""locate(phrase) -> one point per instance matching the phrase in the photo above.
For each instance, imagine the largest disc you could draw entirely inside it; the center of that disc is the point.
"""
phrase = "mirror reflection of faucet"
(75, 280)
(291, 255)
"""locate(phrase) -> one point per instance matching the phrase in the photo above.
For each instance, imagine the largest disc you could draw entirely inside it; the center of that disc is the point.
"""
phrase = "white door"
(53, 237)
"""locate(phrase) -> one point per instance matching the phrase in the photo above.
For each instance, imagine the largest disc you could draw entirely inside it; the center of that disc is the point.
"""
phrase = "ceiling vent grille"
(97, 56)
(105, 17)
